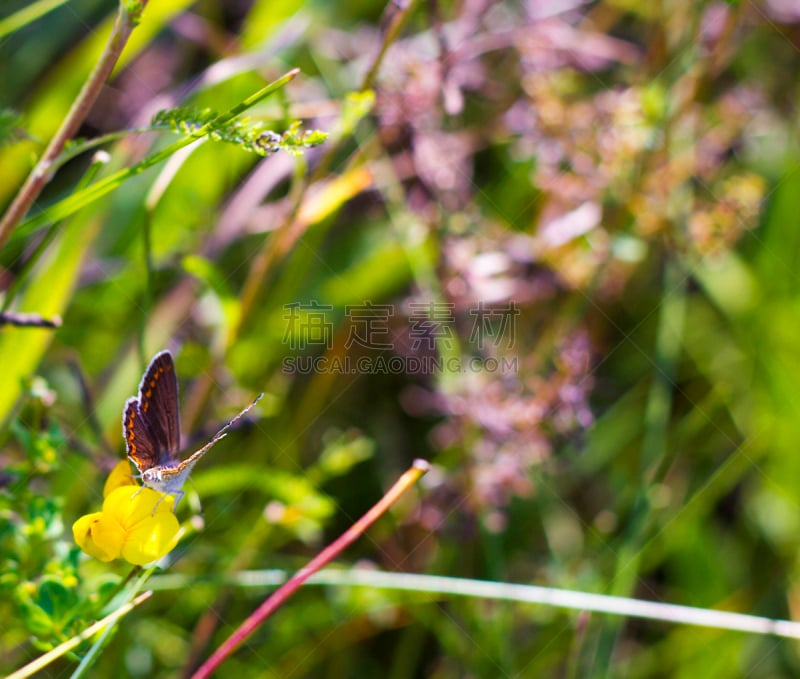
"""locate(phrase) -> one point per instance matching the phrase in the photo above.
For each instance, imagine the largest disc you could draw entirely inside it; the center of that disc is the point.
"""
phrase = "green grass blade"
(27, 15)
(44, 660)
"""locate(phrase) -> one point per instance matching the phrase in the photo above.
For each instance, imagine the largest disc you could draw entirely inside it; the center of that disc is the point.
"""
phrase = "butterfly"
(151, 426)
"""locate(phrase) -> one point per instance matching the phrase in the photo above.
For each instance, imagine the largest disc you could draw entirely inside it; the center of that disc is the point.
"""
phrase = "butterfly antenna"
(237, 418)
(222, 433)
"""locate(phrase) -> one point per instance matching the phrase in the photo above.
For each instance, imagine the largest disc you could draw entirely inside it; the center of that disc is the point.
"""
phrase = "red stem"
(408, 479)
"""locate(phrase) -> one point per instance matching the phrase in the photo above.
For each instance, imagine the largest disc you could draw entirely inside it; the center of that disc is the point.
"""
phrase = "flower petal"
(151, 538)
(137, 524)
(82, 533)
(129, 504)
(119, 476)
(96, 537)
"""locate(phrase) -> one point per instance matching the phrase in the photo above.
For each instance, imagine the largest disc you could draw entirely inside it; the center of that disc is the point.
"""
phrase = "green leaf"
(245, 133)
(356, 106)
(344, 452)
(11, 130)
(56, 600)
(27, 15)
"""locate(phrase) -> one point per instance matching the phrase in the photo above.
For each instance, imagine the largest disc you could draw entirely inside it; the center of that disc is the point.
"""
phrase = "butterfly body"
(152, 431)
(165, 479)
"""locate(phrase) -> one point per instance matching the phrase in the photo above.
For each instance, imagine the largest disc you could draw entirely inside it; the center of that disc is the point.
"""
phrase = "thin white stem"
(548, 596)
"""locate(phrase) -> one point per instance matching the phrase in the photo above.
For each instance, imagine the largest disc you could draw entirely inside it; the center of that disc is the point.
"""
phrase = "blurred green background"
(600, 198)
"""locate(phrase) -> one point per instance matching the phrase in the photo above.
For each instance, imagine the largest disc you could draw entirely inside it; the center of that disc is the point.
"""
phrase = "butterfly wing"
(170, 480)
(139, 442)
(151, 422)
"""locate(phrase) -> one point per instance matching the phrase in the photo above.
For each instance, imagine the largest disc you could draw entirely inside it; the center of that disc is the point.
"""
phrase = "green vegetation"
(551, 248)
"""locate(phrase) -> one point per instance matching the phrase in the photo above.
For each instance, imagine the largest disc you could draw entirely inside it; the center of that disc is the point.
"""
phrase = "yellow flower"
(136, 524)
(119, 476)
(82, 532)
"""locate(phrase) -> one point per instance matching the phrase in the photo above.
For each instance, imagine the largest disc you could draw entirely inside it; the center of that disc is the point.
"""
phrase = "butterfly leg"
(164, 497)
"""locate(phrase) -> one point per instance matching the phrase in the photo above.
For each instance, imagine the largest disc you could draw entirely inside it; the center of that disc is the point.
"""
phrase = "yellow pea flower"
(119, 476)
(82, 533)
(136, 524)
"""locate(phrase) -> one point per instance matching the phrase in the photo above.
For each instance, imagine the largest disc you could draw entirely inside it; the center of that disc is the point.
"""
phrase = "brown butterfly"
(151, 426)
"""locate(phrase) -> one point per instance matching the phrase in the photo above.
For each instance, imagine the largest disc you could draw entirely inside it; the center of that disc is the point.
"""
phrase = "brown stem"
(41, 174)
